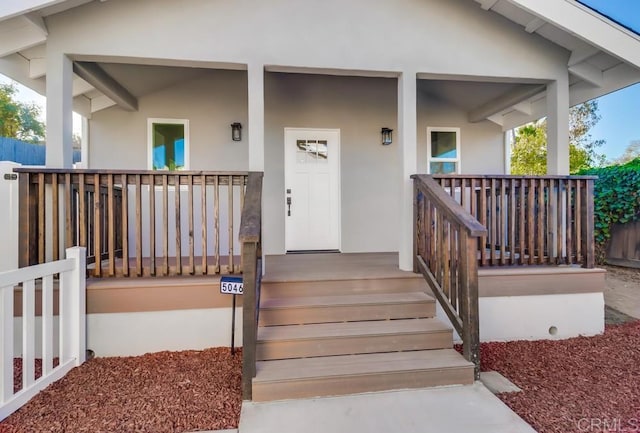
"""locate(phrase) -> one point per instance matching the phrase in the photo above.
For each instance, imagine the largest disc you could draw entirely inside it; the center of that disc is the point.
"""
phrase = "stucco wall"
(481, 143)
(358, 106)
(211, 102)
(428, 36)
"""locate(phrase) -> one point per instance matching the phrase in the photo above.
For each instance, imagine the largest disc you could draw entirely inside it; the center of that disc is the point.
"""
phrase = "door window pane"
(312, 151)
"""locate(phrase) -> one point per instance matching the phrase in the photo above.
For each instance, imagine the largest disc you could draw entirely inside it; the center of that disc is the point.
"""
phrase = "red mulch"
(158, 392)
(584, 384)
(17, 371)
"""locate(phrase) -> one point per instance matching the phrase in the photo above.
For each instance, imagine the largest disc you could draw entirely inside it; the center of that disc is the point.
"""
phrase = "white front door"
(312, 189)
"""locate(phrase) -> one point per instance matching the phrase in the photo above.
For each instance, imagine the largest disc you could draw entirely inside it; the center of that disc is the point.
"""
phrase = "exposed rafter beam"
(523, 107)
(100, 103)
(93, 74)
(37, 67)
(498, 119)
(80, 86)
(487, 4)
(16, 67)
(36, 20)
(582, 54)
(583, 23)
(588, 73)
(534, 25)
(503, 102)
(18, 34)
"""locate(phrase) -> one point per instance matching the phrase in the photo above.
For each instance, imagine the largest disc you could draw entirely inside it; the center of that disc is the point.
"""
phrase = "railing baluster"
(97, 235)
(230, 224)
(203, 199)
(512, 226)
(68, 226)
(493, 218)
(55, 217)
(165, 224)
(124, 181)
(216, 221)
(47, 324)
(111, 226)
(503, 221)
(176, 182)
(560, 225)
(588, 225)
(28, 333)
(138, 233)
(41, 219)
(540, 222)
(578, 212)
(152, 225)
(483, 221)
(190, 216)
(570, 225)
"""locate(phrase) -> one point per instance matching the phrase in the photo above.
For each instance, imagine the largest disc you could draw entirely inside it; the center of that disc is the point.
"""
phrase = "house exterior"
(313, 86)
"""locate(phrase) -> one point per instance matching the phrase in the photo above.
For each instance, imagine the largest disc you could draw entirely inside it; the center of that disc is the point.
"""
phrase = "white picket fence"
(70, 337)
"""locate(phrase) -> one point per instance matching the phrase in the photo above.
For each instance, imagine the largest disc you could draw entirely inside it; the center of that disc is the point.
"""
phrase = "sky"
(619, 111)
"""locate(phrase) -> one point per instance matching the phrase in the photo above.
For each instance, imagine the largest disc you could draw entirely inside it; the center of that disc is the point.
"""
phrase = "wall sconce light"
(386, 136)
(236, 131)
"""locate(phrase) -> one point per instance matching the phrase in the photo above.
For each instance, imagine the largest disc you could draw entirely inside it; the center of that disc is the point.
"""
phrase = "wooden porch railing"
(251, 239)
(445, 248)
(139, 223)
(530, 220)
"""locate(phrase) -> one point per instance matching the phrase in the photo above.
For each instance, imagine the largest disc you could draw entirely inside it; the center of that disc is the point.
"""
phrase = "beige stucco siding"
(359, 107)
(428, 36)
(481, 143)
(210, 102)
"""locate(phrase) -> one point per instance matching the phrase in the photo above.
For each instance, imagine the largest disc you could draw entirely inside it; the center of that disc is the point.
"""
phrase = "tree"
(529, 153)
(631, 152)
(17, 119)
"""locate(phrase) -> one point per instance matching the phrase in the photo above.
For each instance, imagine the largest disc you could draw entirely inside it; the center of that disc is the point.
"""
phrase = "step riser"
(353, 345)
(342, 287)
(350, 313)
(344, 385)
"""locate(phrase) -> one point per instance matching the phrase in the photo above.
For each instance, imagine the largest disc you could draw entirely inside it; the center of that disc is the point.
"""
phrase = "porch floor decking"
(333, 266)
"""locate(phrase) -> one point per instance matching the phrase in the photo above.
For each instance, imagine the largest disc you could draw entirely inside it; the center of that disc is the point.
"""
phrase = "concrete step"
(345, 308)
(351, 374)
(328, 339)
(283, 289)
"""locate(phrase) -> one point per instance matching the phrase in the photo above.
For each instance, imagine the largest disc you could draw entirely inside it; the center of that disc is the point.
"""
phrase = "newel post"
(76, 330)
(469, 301)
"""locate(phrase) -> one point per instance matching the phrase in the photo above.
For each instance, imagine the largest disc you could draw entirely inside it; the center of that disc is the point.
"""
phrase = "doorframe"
(338, 177)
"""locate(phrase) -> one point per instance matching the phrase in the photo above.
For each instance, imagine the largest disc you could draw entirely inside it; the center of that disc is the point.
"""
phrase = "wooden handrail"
(445, 249)
(251, 220)
(449, 206)
(250, 238)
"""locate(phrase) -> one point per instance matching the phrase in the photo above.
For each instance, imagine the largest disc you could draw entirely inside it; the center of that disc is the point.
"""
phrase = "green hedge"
(617, 199)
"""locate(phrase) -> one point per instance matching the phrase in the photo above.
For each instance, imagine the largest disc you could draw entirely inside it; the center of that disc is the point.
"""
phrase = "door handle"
(288, 206)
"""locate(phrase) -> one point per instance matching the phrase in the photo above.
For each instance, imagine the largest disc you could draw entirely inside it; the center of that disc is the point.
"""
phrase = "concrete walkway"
(453, 409)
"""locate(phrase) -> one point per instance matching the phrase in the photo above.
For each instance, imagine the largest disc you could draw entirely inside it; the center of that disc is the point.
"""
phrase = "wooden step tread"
(350, 329)
(359, 299)
(358, 365)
